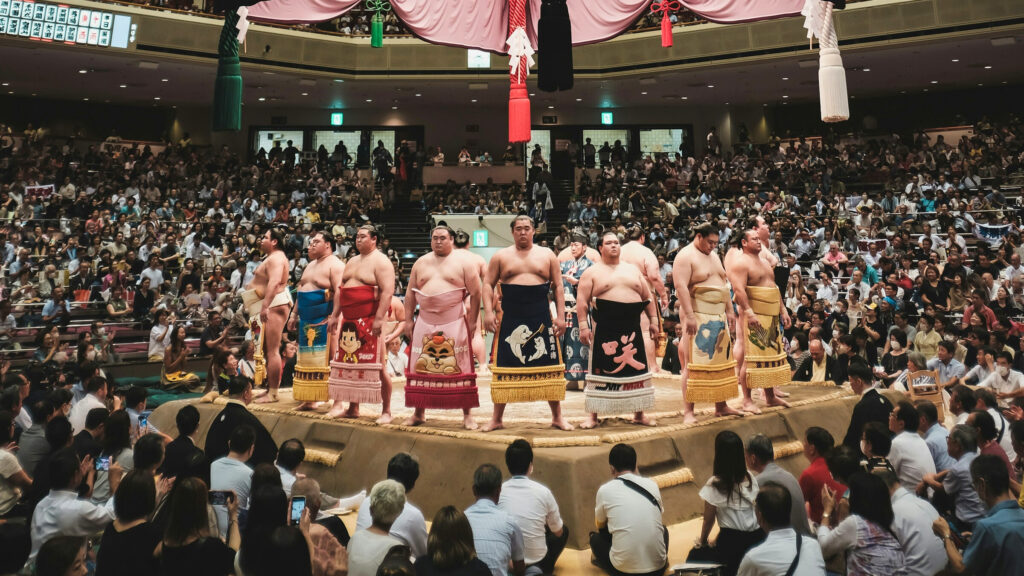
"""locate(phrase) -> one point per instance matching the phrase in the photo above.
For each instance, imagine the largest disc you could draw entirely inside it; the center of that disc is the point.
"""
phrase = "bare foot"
(306, 406)
(352, 412)
(781, 394)
(561, 424)
(385, 418)
(643, 420)
(337, 411)
(469, 423)
(267, 399)
(689, 418)
(728, 411)
(776, 401)
(414, 420)
(492, 425)
(750, 407)
(589, 423)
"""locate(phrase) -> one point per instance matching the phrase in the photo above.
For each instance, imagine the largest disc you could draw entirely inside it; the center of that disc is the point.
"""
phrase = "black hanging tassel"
(554, 46)
(837, 4)
(231, 5)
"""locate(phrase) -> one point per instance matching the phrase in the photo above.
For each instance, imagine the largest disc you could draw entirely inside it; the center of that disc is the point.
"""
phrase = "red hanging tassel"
(666, 30)
(518, 113)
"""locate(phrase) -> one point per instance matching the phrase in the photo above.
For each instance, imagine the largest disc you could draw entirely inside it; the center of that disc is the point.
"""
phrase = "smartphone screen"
(219, 497)
(298, 505)
(103, 463)
(143, 424)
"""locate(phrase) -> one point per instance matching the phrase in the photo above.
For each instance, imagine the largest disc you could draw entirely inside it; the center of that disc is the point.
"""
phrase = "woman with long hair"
(223, 367)
(268, 510)
(1003, 305)
(865, 536)
(117, 449)
(794, 289)
(894, 362)
(729, 499)
(174, 375)
(450, 548)
(188, 547)
(129, 542)
(934, 290)
(956, 296)
(62, 555)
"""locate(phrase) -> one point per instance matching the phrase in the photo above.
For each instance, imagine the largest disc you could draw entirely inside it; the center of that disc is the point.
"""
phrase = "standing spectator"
(909, 454)
(912, 525)
(997, 542)
(232, 473)
(496, 536)
(534, 509)
(410, 527)
(183, 449)
(872, 407)
(368, 547)
(865, 535)
(817, 443)
(450, 547)
(775, 555)
(729, 499)
(632, 538)
(761, 461)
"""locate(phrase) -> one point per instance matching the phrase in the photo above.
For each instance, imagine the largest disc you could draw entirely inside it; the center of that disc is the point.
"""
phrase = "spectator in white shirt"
(912, 523)
(631, 538)
(289, 457)
(95, 397)
(1005, 382)
(153, 272)
(1015, 269)
(410, 527)
(61, 512)
(909, 455)
(784, 551)
(534, 509)
(231, 473)
(826, 290)
(160, 335)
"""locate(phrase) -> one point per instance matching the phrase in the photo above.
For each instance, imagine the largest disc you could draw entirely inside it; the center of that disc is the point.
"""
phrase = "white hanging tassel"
(518, 47)
(835, 104)
(243, 23)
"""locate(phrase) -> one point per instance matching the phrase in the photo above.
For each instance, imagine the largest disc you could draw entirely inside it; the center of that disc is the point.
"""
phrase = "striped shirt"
(496, 536)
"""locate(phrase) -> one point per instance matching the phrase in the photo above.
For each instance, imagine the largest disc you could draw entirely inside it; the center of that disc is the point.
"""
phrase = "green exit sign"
(607, 118)
(337, 118)
(480, 238)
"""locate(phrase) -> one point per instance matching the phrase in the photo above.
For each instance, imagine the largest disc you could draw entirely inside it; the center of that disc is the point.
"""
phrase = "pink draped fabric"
(483, 24)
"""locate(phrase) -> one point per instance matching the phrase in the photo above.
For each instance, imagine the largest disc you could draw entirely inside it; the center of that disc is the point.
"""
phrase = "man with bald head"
(819, 369)
(634, 252)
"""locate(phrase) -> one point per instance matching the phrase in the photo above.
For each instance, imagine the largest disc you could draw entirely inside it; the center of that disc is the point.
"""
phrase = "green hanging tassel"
(227, 91)
(377, 31)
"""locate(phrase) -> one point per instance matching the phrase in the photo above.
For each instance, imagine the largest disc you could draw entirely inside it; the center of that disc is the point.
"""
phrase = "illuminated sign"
(479, 59)
(63, 23)
(337, 118)
(606, 118)
(480, 238)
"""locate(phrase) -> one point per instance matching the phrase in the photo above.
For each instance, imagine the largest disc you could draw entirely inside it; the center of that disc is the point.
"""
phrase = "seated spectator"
(956, 481)
(160, 335)
(949, 368)
(117, 449)
(135, 404)
(58, 435)
(632, 538)
(329, 555)
(894, 362)
(96, 389)
(986, 401)
(63, 556)
(187, 547)
(367, 548)
(148, 454)
(410, 527)
(962, 403)
(819, 368)
(909, 454)
(817, 443)
(182, 448)
(912, 525)
(1005, 382)
(223, 367)
(865, 536)
(118, 307)
(997, 542)
(268, 510)
(988, 442)
(534, 509)
(173, 375)
(450, 547)
(231, 473)
(496, 536)
(935, 434)
(62, 512)
(234, 415)
(289, 458)
(872, 406)
(729, 499)
(89, 442)
(775, 555)
(286, 552)
(13, 479)
(761, 461)
(876, 445)
(129, 543)
(32, 446)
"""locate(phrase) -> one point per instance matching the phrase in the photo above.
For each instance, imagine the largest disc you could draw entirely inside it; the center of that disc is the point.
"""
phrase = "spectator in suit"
(234, 415)
(89, 442)
(183, 449)
(776, 554)
(820, 368)
(872, 407)
(670, 363)
(761, 461)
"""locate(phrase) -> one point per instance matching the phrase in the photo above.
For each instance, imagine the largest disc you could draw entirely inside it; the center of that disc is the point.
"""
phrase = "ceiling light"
(726, 103)
(11, 92)
(165, 79)
(711, 85)
(157, 98)
(261, 99)
(339, 80)
(369, 99)
(988, 67)
(551, 107)
(935, 81)
(123, 86)
(785, 96)
(867, 69)
(6, 84)
(925, 89)
(979, 84)
(643, 93)
(418, 95)
(684, 97)
(82, 71)
(579, 99)
(956, 59)
(473, 100)
(394, 107)
(532, 94)
(83, 99)
(785, 77)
